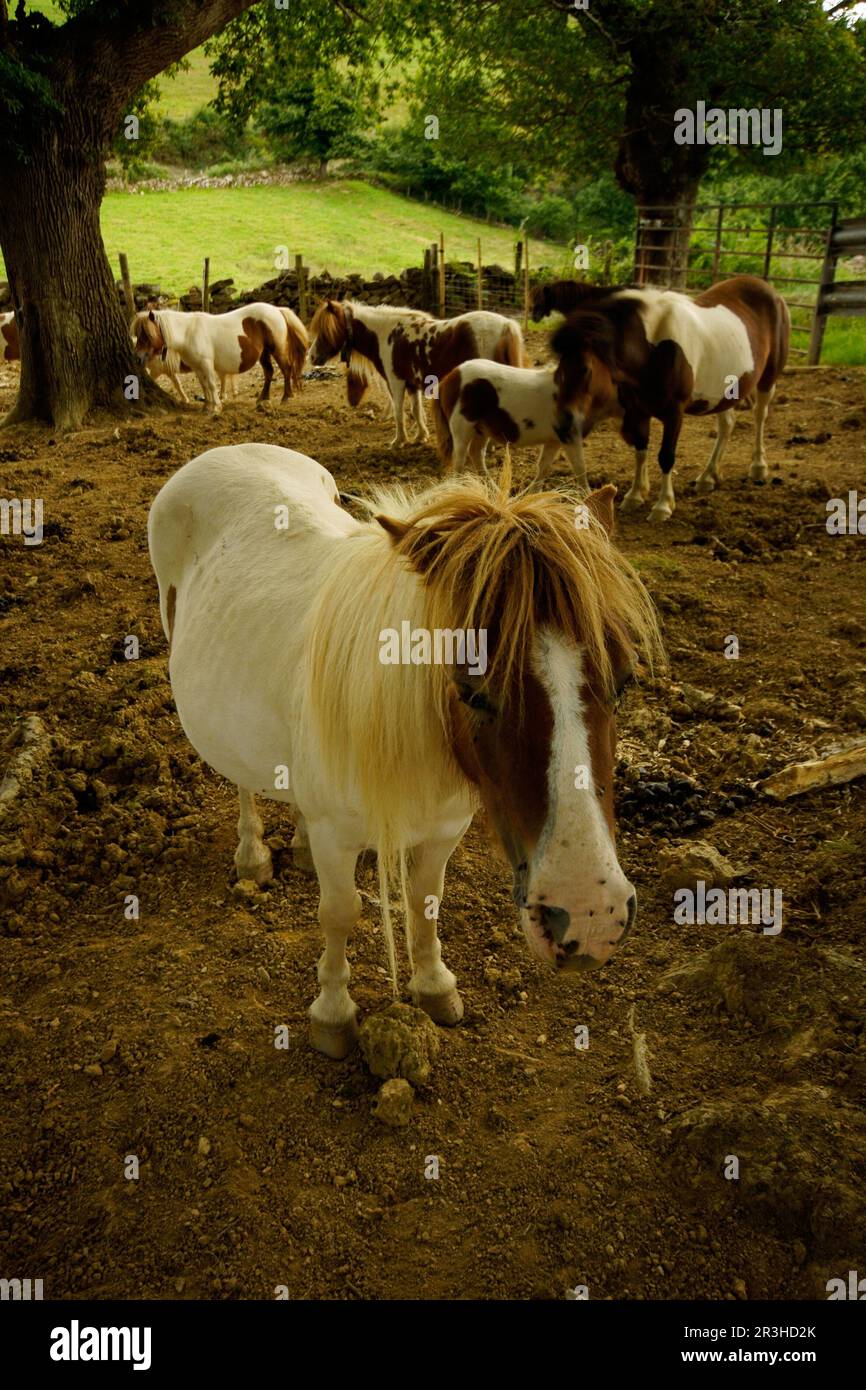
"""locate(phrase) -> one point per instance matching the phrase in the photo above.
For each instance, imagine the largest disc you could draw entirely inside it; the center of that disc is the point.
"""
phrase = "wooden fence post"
(205, 286)
(127, 287)
(427, 281)
(441, 275)
(828, 274)
(480, 279)
(526, 282)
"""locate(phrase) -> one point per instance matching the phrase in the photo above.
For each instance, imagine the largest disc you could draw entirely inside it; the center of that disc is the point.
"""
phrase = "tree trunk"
(76, 350)
(662, 176)
(662, 243)
(78, 79)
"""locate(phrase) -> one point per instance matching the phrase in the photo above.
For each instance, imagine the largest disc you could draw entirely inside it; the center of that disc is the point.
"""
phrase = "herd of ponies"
(516, 621)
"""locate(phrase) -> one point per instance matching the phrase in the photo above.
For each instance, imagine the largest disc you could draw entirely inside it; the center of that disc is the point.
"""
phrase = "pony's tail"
(391, 864)
(509, 350)
(297, 346)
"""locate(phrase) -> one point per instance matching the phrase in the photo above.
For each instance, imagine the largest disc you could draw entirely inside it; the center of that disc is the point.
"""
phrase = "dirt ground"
(261, 1168)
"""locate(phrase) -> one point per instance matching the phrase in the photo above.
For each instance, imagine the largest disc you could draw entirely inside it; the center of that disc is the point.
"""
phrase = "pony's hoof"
(445, 1009)
(302, 859)
(632, 502)
(705, 485)
(758, 472)
(335, 1040)
(260, 870)
(660, 513)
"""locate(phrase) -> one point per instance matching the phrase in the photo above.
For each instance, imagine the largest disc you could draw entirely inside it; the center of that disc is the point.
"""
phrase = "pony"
(9, 339)
(640, 354)
(219, 345)
(480, 401)
(562, 296)
(322, 661)
(410, 349)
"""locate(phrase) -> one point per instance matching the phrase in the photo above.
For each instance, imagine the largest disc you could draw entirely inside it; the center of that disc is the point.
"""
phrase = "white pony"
(215, 346)
(282, 613)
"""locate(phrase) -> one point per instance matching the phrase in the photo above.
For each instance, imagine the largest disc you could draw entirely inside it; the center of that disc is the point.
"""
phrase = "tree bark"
(76, 350)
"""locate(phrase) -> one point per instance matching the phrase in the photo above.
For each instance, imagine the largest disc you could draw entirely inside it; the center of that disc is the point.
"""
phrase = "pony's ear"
(396, 529)
(601, 505)
(152, 316)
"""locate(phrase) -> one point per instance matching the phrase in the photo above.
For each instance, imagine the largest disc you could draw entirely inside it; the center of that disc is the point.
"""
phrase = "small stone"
(109, 1051)
(204, 1145)
(245, 890)
(740, 1289)
(394, 1102)
(798, 1250)
(92, 1069)
(246, 1121)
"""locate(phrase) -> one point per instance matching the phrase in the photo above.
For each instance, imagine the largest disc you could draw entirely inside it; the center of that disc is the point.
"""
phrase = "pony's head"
(331, 329)
(560, 617)
(147, 335)
(585, 345)
(542, 302)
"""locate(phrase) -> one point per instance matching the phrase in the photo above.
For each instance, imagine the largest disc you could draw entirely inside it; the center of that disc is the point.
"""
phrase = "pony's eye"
(477, 700)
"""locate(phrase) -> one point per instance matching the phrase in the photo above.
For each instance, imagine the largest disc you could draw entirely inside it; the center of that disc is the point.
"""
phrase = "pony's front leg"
(252, 856)
(758, 469)
(635, 431)
(398, 395)
(420, 414)
(433, 987)
(709, 479)
(333, 1014)
(210, 385)
(178, 385)
(544, 464)
(574, 454)
(666, 502)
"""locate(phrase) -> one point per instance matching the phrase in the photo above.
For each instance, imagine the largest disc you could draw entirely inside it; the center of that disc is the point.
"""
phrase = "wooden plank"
(205, 286)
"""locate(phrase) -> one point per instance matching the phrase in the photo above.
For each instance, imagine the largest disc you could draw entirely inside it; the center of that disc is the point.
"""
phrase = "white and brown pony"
(282, 612)
(643, 354)
(409, 349)
(10, 344)
(215, 346)
(483, 401)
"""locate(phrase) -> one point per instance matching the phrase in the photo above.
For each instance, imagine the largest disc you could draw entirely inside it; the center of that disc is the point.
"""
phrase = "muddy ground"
(260, 1168)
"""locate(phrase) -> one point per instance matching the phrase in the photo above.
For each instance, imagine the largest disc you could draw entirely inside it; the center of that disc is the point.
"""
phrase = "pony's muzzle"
(568, 950)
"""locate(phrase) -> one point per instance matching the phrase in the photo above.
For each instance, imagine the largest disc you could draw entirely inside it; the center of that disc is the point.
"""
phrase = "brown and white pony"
(288, 682)
(480, 401)
(221, 345)
(645, 354)
(9, 340)
(409, 349)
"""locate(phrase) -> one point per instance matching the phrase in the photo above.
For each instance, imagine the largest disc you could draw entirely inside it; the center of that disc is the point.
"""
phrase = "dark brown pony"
(643, 354)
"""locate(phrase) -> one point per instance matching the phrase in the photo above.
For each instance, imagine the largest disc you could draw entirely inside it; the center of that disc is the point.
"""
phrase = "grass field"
(339, 226)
